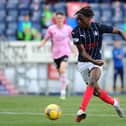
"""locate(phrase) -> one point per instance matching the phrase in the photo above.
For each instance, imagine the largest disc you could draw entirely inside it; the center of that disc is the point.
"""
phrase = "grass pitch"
(29, 111)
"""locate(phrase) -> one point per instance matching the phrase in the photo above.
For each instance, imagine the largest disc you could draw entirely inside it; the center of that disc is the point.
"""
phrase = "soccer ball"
(53, 112)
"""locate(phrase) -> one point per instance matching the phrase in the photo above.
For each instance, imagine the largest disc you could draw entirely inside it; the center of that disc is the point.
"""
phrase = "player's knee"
(92, 82)
(61, 70)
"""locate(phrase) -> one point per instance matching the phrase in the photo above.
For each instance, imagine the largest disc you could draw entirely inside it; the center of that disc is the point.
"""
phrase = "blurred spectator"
(35, 8)
(36, 34)
(24, 27)
(123, 25)
(118, 55)
(46, 19)
(117, 9)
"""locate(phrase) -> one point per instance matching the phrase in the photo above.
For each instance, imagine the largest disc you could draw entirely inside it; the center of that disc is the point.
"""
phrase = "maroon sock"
(87, 95)
(105, 97)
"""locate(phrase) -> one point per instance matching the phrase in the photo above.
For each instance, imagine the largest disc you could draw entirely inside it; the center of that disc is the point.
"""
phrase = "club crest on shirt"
(64, 33)
(95, 33)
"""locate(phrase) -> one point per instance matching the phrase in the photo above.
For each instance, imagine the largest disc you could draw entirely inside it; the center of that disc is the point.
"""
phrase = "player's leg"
(87, 95)
(93, 78)
(63, 76)
(114, 79)
(121, 72)
(103, 95)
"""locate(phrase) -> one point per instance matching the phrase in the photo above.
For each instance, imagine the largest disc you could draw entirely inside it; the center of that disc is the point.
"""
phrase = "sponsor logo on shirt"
(91, 45)
(95, 33)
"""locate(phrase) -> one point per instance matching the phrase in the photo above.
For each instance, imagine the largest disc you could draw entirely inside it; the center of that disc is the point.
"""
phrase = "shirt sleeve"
(105, 29)
(76, 37)
(48, 33)
(70, 31)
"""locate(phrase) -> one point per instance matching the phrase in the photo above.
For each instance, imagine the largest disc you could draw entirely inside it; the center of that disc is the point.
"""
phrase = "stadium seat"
(3, 2)
(12, 25)
(35, 18)
(10, 31)
(12, 12)
(2, 32)
(12, 5)
(106, 12)
(118, 14)
(11, 19)
(2, 18)
(109, 23)
(11, 38)
(24, 5)
(95, 6)
(2, 13)
(23, 12)
(13, 1)
(2, 6)
(97, 11)
(60, 7)
(2, 28)
(107, 37)
(24, 1)
(97, 16)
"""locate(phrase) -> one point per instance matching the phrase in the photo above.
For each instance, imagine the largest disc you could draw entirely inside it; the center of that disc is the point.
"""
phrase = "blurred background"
(26, 70)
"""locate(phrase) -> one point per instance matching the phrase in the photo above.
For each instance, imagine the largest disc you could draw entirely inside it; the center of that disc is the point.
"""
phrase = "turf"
(29, 111)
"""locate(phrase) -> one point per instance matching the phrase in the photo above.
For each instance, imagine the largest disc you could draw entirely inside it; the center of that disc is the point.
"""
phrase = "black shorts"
(59, 60)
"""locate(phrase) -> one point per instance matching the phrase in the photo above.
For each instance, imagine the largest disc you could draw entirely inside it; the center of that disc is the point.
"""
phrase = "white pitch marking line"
(20, 113)
(32, 113)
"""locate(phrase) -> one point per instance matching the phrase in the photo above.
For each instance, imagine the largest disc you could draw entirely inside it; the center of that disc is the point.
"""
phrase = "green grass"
(28, 111)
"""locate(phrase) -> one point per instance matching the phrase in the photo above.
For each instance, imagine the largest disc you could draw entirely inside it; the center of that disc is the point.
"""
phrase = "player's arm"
(73, 49)
(86, 56)
(46, 38)
(110, 29)
(43, 42)
(118, 31)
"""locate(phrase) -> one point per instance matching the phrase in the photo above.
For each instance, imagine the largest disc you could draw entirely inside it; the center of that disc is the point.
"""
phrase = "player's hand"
(98, 62)
(39, 46)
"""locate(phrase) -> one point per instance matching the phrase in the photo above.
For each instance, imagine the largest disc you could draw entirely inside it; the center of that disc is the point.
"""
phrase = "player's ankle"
(116, 102)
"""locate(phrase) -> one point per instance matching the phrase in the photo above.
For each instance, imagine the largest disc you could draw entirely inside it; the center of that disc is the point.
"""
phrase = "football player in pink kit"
(60, 36)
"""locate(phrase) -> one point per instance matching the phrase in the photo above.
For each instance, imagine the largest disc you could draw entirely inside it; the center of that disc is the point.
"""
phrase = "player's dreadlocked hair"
(86, 11)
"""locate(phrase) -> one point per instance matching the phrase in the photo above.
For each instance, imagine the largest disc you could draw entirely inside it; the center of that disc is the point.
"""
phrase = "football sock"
(63, 81)
(87, 95)
(105, 97)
